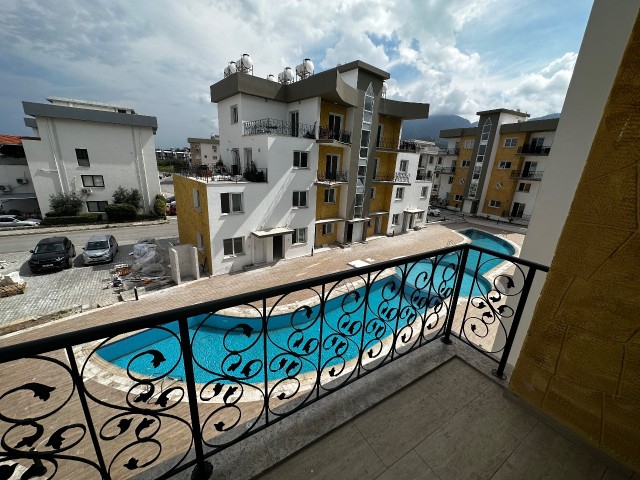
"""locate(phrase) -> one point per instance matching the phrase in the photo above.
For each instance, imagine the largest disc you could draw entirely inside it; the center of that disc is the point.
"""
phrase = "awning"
(329, 220)
(414, 210)
(271, 232)
(17, 196)
(375, 214)
(358, 220)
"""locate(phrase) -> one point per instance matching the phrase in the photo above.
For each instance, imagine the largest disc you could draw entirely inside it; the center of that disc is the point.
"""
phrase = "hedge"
(72, 220)
(121, 212)
(149, 216)
(160, 206)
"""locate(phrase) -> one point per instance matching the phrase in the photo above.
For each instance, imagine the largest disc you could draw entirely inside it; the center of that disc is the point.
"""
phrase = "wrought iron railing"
(389, 143)
(526, 175)
(424, 176)
(328, 133)
(450, 151)
(397, 177)
(274, 126)
(527, 149)
(445, 170)
(222, 173)
(159, 394)
(332, 177)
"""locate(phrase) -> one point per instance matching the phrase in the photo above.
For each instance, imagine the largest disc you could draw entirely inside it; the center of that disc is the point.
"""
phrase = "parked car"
(13, 221)
(52, 253)
(100, 248)
(171, 208)
(434, 212)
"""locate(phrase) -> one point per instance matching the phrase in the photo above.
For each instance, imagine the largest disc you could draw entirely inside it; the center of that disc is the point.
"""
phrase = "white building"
(205, 151)
(17, 194)
(91, 149)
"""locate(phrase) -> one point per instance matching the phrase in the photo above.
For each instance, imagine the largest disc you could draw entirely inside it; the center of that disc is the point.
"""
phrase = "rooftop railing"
(327, 133)
(388, 143)
(274, 126)
(222, 173)
(161, 394)
(397, 177)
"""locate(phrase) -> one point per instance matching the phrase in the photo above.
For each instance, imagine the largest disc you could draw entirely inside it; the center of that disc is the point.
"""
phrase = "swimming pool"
(229, 346)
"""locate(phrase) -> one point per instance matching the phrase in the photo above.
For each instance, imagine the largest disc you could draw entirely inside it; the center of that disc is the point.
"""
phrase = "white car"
(433, 212)
(12, 221)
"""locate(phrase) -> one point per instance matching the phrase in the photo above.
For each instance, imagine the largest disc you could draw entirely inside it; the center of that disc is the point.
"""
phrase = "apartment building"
(91, 149)
(496, 168)
(204, 150)
(17, 194)
(304, 162)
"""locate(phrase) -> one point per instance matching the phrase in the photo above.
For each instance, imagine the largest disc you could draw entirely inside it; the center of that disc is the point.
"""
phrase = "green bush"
(124, 196)
(72, 220)
(149, 216)
(160, 206)
(121, 212)
(65, 204)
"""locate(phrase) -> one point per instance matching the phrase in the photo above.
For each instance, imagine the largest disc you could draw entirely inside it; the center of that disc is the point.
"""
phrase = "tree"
(65, 204)
(123, 196)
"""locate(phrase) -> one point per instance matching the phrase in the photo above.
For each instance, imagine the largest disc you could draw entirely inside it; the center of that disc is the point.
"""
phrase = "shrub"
(160, 206)
(65, 204)
(149, 216)
(124, 196)
(72, 220)
(121, 213)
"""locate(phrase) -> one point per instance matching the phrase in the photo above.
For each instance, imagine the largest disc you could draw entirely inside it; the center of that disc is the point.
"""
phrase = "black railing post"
(456, 291)
(499, 372)
(203, 469)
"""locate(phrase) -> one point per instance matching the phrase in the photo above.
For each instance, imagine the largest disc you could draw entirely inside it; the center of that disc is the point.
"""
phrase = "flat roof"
(503, 110)
(203, 140)
(545, 125)
(88, 103)
(458, 132)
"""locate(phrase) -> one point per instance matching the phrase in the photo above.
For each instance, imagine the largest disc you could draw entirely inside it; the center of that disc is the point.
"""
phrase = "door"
(277, 248)
(295, 124)
(332, 167)
(349, 232)
(378, 228)
(248, 158)
(235, 162)
(517, 210)
(335, 125)
(412, 220)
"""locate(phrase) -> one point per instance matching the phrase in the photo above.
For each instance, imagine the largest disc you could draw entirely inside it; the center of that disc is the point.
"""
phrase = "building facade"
(204, 151)
(91, 149)
(17, 194)
(303, 165)
(495, 168)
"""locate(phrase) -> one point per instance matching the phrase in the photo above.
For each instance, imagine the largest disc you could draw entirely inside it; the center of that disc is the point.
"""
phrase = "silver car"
(100, 248)
(12, 221)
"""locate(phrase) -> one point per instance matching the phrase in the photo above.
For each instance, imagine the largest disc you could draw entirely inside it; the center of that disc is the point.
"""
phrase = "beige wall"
(191, 221)
(580, 361)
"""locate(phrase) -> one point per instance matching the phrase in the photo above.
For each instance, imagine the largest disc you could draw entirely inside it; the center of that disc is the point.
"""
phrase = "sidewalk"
(6, 232)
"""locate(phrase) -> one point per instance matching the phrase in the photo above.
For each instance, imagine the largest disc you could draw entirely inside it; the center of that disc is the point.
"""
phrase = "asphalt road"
(124, 235)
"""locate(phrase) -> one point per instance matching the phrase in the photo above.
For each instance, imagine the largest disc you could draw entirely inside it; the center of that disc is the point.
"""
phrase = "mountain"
(429, 128)
(546, 117)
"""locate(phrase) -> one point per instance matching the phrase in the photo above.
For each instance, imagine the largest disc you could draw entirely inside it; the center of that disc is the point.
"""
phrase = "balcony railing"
(222, 173)
(445, 170)
(512, 216)
(160, 394)
(326, 133)
(397, 177)
(332, 177)
(526, 175)
(451, 151)
(388, 143)
(424, 176)
(527, 149)
(273, 126)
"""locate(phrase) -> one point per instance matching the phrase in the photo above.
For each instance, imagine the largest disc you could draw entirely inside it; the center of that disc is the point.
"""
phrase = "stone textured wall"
(581, 359)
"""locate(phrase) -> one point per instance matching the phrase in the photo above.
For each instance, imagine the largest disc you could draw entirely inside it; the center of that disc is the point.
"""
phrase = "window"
(504, 165)
(232, 246)
(486, 130)
(450, 180)
(462, 181)
(457, 198)
(92, 181)
(524, 187)
(234, 113)
(430, 160)
(400, 193)
(424, 192)
(300, 235)
(510, 142)
(373, 193)
(465, 163)
(196, 198)
(469, 143)
(300, 198)
(395, 219)
(200, 240)
(330, 195)
(495, 203)
(300, 159)
(83, 157)
(439, 160)
(404, 165)
(537, 142)
(420, 216)
(231, 202)
(327, 228)
(96, 206)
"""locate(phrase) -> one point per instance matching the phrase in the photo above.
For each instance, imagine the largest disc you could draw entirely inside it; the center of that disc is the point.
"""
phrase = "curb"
(70, 228)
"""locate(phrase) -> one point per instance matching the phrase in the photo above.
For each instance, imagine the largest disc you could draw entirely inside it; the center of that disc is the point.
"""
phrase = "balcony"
(150, 396)
(331, 177)
(395, 178)
(450, 151)
(445, 170)
(526, 175)
(533, 150)
(273, 126)
(386, 143)
(221, 173)
(332, 134)
(424, 176)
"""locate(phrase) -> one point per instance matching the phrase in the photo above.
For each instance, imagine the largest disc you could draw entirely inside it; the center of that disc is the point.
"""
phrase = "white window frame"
(234, 242)
(495, 203)
(504, 165)
(199, 241)
(395, 219)
(457, 198)
(298, 197)
(524, 187)
(299, 236)
(404, 165)
(196, 199)
(469, 143)
(330, 195)
(465, 163)
(510, 142)
(230, 198)
(302, 159)
(327, 229)
(234, 114)
(424, 192)
(399, 193)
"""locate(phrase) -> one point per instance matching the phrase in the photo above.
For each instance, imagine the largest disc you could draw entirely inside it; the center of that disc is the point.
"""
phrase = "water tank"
(305, 69)
(271, 77)
(230, 69)
(245, 64)
(384, 89)
(286, 76)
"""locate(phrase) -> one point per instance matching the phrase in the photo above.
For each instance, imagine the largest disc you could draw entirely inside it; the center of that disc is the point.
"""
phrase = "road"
(124, 235)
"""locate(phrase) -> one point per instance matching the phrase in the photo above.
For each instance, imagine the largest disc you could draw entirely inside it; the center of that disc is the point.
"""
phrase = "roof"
(203, 140)
(10, 140)
(458, 132)
(503, 110)
(545, 125)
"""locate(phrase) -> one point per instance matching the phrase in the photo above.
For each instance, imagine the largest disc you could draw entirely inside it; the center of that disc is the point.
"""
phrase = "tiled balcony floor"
(453, 423)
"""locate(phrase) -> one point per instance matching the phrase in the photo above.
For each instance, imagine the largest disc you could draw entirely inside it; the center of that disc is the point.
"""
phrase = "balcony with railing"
(527, 149)
(450, 151)
(387, 143)
(322, 176)
(274, 126)
(526, 175)
(163, 394)
(327, 134)
(395, 178)
(445, 170)
(221, 173)
(424, 176)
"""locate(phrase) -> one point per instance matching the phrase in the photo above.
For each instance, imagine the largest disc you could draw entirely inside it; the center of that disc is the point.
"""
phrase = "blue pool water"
(224, 344)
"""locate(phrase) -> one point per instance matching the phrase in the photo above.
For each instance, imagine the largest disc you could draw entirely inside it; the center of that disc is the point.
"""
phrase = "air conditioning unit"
(86, 191)
(22, 181)
(5, 188)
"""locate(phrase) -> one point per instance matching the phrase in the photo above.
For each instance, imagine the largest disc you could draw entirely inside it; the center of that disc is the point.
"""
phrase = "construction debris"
(11, 284)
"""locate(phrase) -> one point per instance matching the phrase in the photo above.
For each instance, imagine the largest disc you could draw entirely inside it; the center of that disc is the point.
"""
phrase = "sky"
(160, 57)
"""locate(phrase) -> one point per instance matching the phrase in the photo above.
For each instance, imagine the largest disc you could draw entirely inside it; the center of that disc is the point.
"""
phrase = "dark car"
(51, 254)
(100, 248)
